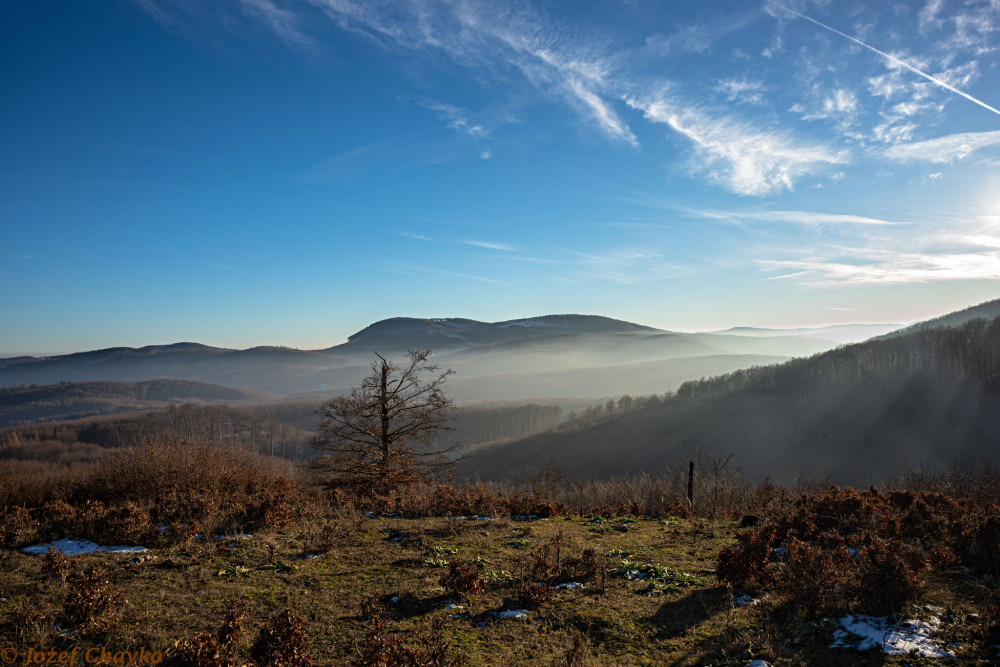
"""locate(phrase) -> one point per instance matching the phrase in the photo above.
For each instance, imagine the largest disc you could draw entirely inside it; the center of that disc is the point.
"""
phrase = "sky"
(286, 172)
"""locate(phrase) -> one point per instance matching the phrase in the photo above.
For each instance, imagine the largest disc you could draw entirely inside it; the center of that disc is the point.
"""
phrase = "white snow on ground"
(743, 601)
(518, 614)
(69, 547)
(526, 323)
(902, 638)
(573, 585)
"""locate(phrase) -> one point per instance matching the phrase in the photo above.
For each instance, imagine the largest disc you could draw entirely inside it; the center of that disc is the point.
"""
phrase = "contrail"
(894, 59)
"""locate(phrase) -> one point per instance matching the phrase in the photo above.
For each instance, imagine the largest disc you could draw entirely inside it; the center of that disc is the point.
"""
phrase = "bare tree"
(381, 436)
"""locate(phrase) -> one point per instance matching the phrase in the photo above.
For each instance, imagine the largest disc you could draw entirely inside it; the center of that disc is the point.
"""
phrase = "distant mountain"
(928, 398)
(22, 405)
(838, 333)
(450, 333)
(564, 356)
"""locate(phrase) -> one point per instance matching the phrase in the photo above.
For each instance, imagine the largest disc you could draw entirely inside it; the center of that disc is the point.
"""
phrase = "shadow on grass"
(410, 606)
(677, 616)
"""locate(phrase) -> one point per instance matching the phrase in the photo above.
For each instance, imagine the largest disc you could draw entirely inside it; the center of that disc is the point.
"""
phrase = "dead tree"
(381, 436)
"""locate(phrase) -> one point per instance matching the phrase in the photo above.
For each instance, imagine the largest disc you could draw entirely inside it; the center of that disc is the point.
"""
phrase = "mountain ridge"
(928, 398)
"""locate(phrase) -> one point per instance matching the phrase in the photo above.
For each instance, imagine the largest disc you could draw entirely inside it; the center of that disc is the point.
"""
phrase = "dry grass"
(378, 591)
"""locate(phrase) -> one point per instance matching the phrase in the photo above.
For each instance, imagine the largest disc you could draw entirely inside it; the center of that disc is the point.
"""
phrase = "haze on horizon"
(287, 172)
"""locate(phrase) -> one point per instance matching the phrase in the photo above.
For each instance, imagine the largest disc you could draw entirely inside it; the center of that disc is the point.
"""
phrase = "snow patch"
(902, 638)
(70, 547)
(516, 614)
(743, 601)
(573, 585)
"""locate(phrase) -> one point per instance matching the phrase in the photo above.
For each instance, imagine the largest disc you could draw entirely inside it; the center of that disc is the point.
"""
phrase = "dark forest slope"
(929, 398)
(72, 400)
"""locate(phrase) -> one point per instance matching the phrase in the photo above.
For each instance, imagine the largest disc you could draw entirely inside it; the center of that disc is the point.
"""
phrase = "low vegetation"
(250, 562)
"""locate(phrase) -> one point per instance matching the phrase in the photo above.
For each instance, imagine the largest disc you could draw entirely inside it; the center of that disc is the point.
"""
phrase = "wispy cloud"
(455, 274)
(457, 119)
(746, 159)
(891, 268)
(795, 217)
(282, 22)
(163, 18)
(967, 249)
(745, 91)
(698, 38)
(490, 245)
(928, 15)
(625, 266)
(891, 58)
(838, 103)
(944, 149)
(347, 165)
(605, 116)
(494, 39)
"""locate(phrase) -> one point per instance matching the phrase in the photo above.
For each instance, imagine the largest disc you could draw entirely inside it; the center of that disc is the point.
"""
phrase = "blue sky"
(248, 172)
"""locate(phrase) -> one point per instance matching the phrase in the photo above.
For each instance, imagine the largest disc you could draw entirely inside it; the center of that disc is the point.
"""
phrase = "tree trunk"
(383, 405)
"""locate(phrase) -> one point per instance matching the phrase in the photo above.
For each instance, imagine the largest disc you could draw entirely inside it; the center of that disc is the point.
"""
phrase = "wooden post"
(691, 483)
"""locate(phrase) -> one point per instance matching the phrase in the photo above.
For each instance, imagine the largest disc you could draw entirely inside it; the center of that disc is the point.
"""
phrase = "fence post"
(691, 483)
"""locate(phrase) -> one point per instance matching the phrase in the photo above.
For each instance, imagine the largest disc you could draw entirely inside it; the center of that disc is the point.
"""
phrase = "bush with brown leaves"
(461, 579)
(532, 595)
(382, 648)
(93, 602)
(282, 643)
(844, 549)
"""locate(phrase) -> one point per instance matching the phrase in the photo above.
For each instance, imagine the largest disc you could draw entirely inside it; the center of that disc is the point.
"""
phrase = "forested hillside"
(72, 400)
(281, 429)
(856, 413)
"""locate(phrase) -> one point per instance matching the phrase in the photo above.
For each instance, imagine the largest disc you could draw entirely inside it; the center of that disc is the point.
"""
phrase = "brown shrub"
(818, 576)
(58, 517)
(56, 564)
(92, 601)
(889, 575)
(124, 495)
(532, 595)
(16, 525)
(462, 579)
(381, 648)
(749, 562)
(127, 524)
(282, 643)
(869, 549)
(583, 568)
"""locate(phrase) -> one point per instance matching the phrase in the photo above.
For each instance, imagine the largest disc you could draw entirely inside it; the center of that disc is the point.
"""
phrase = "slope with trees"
(856, 413)
(72, 400)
